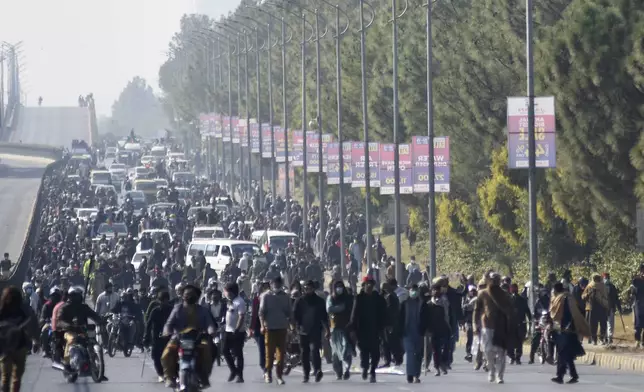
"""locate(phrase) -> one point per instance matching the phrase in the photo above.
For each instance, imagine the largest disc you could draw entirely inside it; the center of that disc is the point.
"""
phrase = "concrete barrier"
(32, 150)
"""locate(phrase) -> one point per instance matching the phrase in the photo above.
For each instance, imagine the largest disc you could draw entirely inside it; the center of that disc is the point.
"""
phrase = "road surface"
(125, 375)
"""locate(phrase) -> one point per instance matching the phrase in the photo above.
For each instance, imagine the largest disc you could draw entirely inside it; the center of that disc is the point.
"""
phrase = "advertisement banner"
(296, 150)
(267, 146)
(346, 156)
(326, 139)
(243, 134)
(254, 138)
(357, 165)
(420, 150)
(544, 132)
(333, 163)
(374, 164)
(235, 131)
(204, 124)
(280, 144)
(312, 154)
(225, 121)
(217, 126)
(387, 168)
(405, 158)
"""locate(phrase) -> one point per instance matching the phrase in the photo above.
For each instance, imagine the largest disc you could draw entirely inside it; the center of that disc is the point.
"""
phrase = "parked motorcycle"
(119, 329)
(85, 356)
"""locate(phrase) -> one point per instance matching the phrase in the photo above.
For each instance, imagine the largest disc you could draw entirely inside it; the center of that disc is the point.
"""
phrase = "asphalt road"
(125, 374)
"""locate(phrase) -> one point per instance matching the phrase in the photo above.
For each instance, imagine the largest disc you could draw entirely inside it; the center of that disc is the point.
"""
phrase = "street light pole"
(248, 138)
(285, 126)
(318, 98)
(430, 135)
(396, 112)
(532, 167)
(259, 120)
(305, 180)
(230, 121)
(365, 122)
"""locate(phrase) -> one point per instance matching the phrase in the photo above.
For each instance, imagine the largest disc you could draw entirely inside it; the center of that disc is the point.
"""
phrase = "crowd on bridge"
(295, 300)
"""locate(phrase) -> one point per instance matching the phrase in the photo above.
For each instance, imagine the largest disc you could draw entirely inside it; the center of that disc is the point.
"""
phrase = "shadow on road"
(21, 172)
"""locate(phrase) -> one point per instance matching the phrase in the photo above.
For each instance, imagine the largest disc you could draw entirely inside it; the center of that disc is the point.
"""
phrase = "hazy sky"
(73, 47)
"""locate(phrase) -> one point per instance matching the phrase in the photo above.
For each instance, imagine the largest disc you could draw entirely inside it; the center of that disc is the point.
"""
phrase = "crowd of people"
(293, 302)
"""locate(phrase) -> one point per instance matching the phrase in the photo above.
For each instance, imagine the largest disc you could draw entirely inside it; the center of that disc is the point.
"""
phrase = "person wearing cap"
(492, 317)
(637, 291)
(614, 305)
(274, 317)
(310, 320)
(368, 320)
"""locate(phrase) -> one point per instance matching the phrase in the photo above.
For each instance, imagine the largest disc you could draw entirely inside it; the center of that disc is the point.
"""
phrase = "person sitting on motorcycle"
(74, 314)
(127, 308)
(188, 316)
(45, 319)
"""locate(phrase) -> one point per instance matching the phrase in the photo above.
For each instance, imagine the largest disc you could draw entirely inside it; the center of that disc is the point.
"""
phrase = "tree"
(138, 108)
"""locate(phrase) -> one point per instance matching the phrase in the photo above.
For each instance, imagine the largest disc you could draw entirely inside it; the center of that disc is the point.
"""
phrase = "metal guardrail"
(19, 270)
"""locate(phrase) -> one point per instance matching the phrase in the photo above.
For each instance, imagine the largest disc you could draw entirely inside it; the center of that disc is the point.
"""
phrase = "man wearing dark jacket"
(614, 305)
(522, 314)
(154, 329)
(311, 319)
(368, 320)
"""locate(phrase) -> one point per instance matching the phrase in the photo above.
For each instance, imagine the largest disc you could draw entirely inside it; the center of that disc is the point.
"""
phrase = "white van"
(218, 252)
(275, 239)
(100, 177)
(208, 232)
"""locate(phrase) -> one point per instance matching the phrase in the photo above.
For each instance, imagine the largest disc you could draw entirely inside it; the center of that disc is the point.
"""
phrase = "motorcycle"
(85, 357)
(119, 335)
(188, 376)
(545, 351)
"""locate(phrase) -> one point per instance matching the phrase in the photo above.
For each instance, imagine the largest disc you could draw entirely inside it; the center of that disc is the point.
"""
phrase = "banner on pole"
(267, 145)
(296, 150)
(312, 161)
(420, 150)
(346, 157)
(333, 163)
(544, 132)
(255, 147)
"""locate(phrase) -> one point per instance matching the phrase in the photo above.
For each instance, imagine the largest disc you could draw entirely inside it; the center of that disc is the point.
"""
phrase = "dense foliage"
(589, 54)
(138, 108)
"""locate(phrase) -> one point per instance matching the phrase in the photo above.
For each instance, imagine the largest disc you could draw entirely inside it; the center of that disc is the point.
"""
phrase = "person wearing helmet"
(128, 309)
(30, 297)
(186, 316)
(74, 314)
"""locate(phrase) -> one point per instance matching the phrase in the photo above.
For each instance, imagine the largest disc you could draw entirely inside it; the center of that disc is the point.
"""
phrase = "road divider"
(31, 150)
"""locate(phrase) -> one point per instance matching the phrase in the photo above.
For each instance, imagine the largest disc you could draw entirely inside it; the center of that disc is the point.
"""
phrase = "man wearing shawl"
(570, 325)
(596, 298)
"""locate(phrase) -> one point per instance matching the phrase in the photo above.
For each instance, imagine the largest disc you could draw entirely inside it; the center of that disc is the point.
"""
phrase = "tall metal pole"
(398, 234)
(230, 120)
(338, 87)
(365, 128)
(248, 138)
(270, 115)
(239, 89)
(430, 135)
(305, 180)
(532, 184)
(318, 98)
(223, 147)
(285, 126)
(259, 121)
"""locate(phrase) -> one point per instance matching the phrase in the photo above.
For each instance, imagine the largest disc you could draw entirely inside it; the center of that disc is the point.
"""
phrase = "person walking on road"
(572, 326)
(274, 317)
(234, 333)
(310, 319)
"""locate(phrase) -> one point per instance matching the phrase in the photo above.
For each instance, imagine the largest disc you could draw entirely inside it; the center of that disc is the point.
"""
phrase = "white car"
(85, 214)
(208, 232)
(138, 257)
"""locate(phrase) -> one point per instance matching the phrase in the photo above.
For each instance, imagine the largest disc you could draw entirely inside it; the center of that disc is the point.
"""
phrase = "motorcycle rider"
(186, 316)
(154, 328)
(30, 297)
(75, 313)
(104, 303)
(126, 306)
(45, 319)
